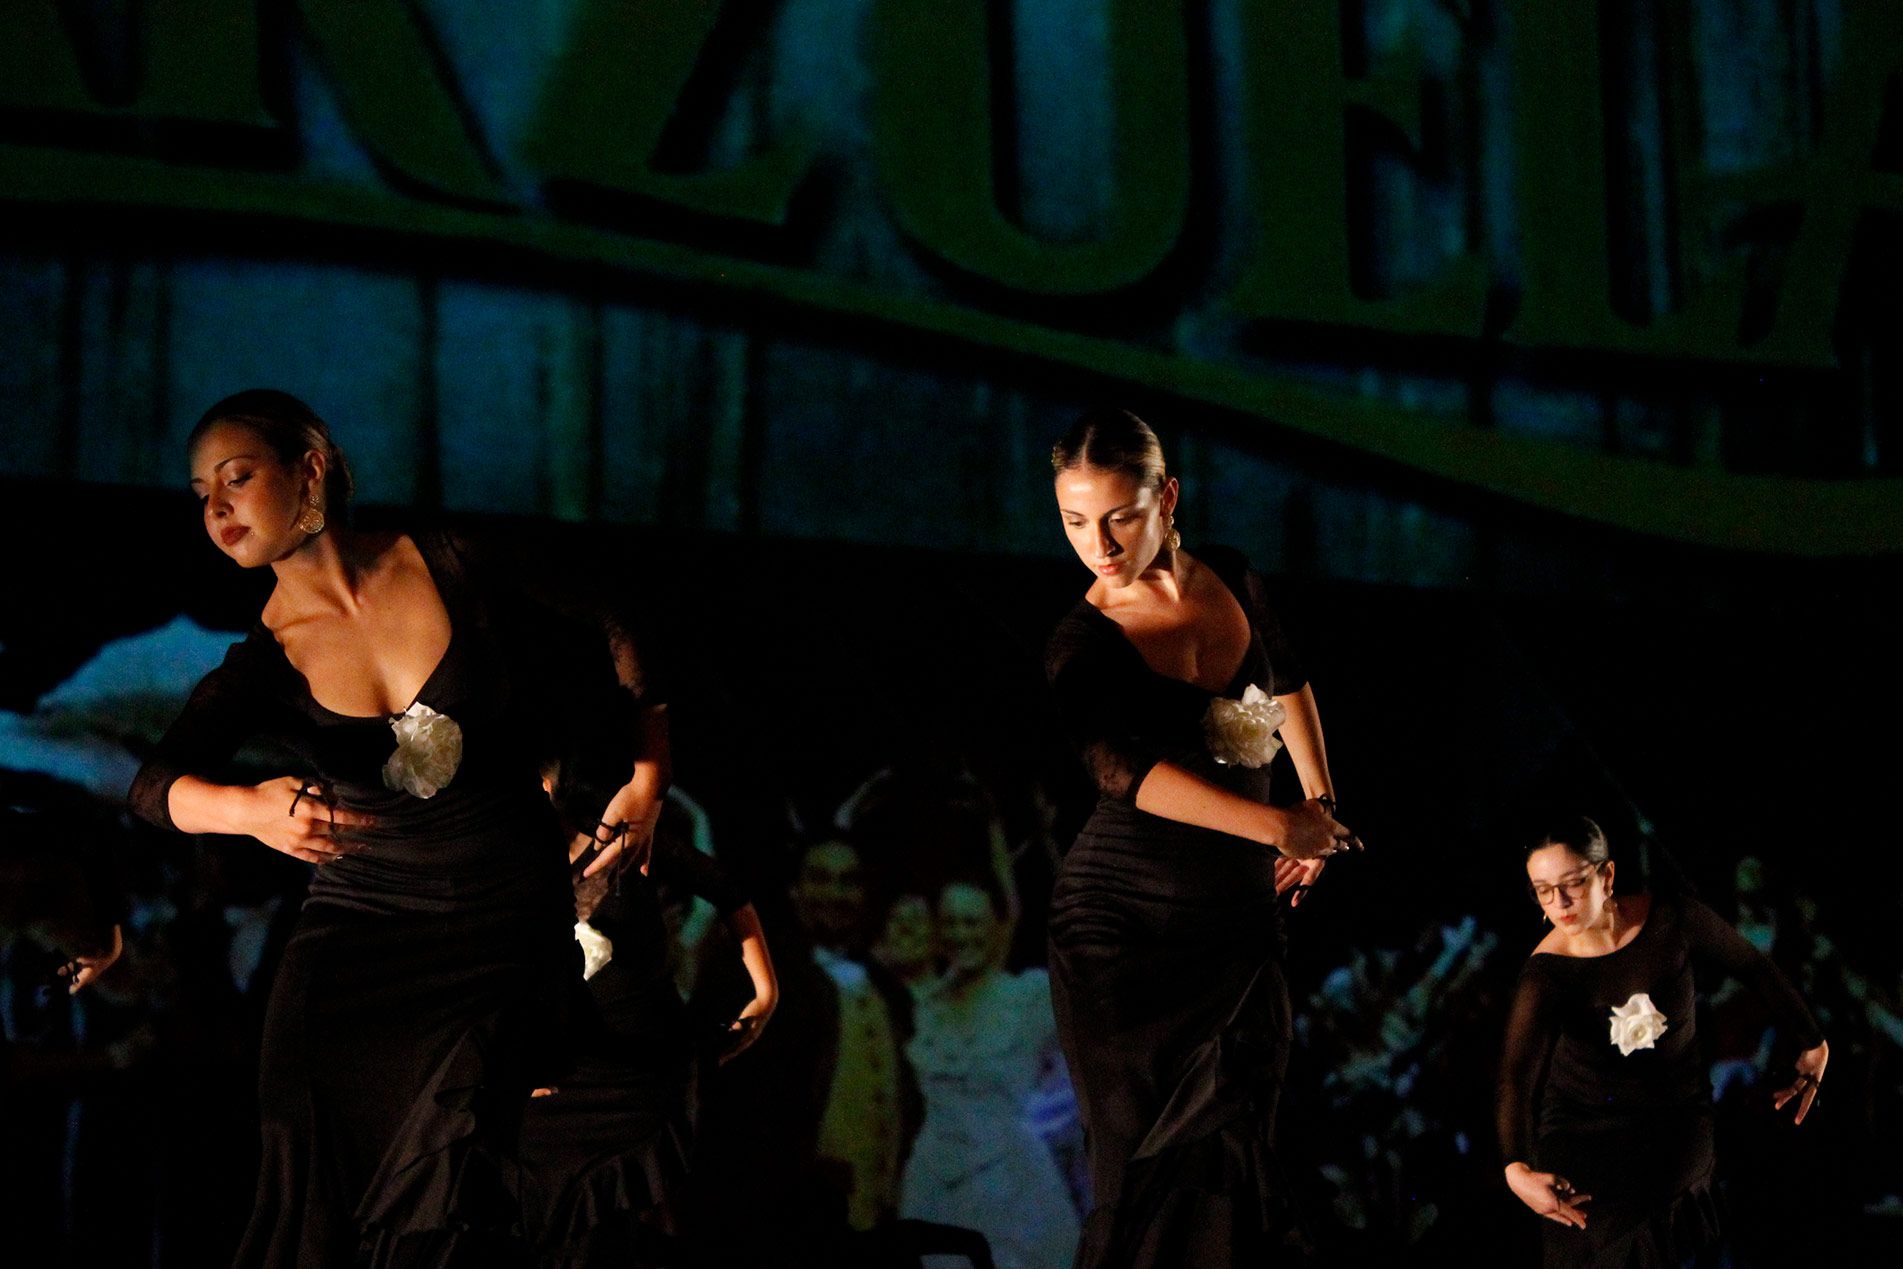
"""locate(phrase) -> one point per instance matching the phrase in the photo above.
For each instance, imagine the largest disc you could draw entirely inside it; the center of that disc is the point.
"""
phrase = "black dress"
(426, 987)
(1632, 1129)
(615, 1142)
(1166, 951)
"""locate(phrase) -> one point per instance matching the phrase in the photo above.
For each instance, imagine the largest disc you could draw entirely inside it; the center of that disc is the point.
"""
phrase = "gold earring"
(1171, 538)
(311, 520)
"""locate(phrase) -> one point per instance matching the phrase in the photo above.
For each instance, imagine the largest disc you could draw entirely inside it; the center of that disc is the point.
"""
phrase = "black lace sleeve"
(1531, 1034)
(222, 713)
(1715, 944)
(1091, 682)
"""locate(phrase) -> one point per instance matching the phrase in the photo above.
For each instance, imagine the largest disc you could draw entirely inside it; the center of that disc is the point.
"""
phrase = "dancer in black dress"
(605, 1156)
(1605, 1113)
(1173, 677)
(423, 993)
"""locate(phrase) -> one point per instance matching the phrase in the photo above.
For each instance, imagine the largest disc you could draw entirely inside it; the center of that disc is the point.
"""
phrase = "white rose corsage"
(429, 748)
(1242, 733)
(597, 949)
(1636, 1024)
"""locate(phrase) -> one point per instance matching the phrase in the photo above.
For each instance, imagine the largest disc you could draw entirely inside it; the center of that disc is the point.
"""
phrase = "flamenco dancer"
(423, 993)
(1172, 677)
(1604, 1112)
(606, 1156)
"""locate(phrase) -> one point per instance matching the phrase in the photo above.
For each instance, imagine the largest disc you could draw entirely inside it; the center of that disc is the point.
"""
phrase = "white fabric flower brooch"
(597, 949)
(1637, 1024)
(429, 748)
(1242, 733)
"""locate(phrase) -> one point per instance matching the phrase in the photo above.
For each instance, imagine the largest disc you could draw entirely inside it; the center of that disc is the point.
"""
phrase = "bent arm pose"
(1173, 678)
(433, 955)
(1604, 1107)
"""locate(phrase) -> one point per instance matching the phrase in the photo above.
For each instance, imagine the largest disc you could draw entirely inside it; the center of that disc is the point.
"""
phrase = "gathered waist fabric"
(1124, 851)
(484, 846)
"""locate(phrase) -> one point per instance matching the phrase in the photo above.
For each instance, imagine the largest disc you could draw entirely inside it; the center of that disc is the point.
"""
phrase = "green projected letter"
(1560, 128)
(38, 70)
(198, 59)
(385, 71)
(610, 97)
(201, 62)
(1836, 187)
(933, 141)
(1295, 180)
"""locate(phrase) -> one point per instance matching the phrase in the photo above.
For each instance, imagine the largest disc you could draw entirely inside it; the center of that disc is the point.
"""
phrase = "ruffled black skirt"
(400, 1045)
(1172, 1007)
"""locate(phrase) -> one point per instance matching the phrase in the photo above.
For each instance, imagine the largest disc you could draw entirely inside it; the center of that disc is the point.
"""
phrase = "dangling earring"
(1171, 538)
(311, 520)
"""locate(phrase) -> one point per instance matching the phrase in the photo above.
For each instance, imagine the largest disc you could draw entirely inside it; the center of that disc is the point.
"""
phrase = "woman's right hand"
(289, 814)
(1311, 831)
(1548, 1194)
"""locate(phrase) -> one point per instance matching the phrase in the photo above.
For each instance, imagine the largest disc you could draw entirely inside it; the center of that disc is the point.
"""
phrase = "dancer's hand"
(1288, 874)
(1297, 875)
(1307, 873)
(1311, 831)
(81, 971)
(292, 815)
(1548, 1194)
(626, 832)
(1810, 1074)
(744, 1030)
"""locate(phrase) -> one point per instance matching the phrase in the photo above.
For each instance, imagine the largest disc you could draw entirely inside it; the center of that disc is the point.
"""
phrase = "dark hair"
(1579, 834)
(292, 430)
(1113, 440)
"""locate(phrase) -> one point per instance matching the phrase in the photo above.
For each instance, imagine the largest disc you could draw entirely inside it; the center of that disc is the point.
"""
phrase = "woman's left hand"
(746, 1029)
(626, 832)
(84, 970)
(1307, 873)
(1810, 1074)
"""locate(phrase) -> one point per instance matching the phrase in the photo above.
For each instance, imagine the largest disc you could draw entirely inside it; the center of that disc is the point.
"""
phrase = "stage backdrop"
(1418, 287)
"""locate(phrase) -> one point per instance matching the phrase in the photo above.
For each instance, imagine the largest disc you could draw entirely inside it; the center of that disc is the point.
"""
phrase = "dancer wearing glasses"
(1604, 1113)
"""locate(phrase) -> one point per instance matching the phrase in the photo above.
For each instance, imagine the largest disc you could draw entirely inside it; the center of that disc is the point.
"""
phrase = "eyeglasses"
(1573, 887)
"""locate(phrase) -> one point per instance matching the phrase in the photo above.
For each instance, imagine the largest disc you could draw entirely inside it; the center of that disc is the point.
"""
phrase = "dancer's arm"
(744, 923)
(1529, 1047)
(221, 713)
(1716, 943)
(1090, 679)
(1301, 730)
(1302, 734)
(637, 804)
(1303, 831)
(678, 864)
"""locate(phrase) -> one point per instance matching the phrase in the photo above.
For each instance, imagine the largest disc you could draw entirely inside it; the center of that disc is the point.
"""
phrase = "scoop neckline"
(1651, 911)
(1242, 669)
(429, 681)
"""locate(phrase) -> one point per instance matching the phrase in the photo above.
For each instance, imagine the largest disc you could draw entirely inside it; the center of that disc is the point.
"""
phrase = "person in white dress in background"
(989, 1067)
